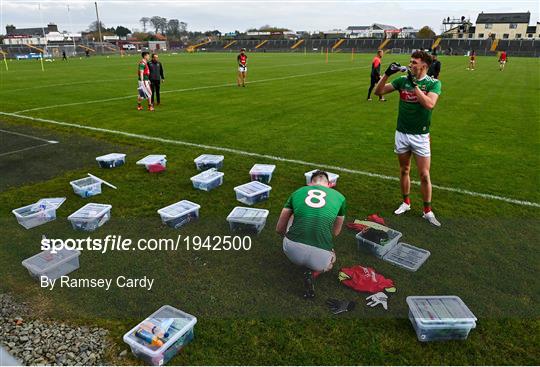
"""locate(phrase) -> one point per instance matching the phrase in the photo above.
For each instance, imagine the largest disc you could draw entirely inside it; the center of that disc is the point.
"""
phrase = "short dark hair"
(144, 53)
(318, 173)
(423, 55)
(152, 56)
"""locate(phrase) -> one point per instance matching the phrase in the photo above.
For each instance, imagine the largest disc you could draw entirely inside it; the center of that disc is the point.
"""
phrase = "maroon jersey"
(242, 59)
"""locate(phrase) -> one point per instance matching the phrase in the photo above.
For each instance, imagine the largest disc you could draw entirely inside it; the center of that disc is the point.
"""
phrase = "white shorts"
(242, 69)
(144, 89)
(311, 257)
(419, 144)
(502, 62)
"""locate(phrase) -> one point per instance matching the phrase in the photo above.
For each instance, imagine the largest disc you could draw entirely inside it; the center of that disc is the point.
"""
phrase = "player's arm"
(383, 87)
(161, 71)
(283, 221)
(428, 101)
(338, 224)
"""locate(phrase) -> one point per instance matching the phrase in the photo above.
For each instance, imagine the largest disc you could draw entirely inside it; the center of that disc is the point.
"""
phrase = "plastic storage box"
(179, 214)
(252, 192)
(154, 162)
(440, 318)
(208, 180)
(180, 333)
(262, 172)
(207, 161)
(111, 160)
(86, 187)
(53, 266)
(90, 217)
(406, 256)
(38, 213)
(379, 249)
(332, 177)
(247, 219)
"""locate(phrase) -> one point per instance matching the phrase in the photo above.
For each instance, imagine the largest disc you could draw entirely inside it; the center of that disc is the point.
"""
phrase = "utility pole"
(99, 28)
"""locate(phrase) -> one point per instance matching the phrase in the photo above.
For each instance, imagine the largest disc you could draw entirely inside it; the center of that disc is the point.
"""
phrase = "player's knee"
(424, 176)
(405, 170)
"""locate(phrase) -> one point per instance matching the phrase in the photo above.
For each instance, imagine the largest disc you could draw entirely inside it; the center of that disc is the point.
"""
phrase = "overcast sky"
(242, 14)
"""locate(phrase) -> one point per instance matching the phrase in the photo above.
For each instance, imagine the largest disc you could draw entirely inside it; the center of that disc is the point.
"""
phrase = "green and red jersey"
(413, 118)
(143, 66)
(315, 210)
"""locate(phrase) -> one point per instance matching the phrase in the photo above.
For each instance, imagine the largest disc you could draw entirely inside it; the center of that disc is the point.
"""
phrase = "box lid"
(177, 209)
(440, 310)
(209, 158)
(262, 169)
(247, 215)
(252, 188)
(208, 175)
(111, 157)
(407, 256)
(90, 211)
(331, 176)
(182, 323)
(45, 260)
(151, 159)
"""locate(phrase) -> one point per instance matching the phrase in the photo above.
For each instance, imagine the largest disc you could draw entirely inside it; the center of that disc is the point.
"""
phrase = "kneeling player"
(311, 217)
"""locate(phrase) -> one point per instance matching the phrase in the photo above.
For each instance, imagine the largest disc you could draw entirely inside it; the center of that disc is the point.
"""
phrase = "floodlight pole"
(99, 28)
(72, 35)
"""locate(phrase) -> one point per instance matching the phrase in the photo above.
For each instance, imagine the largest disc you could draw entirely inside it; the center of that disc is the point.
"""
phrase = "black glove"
(411, 78)
(392, 69)
(337, 306)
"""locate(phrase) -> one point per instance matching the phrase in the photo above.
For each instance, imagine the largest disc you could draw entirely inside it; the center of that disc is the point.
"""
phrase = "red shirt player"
(375, 74)
(502, 60)
(242, 68)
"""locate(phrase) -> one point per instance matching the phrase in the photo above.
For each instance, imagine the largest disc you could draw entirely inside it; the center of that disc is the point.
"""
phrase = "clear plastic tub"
(252, 192)
(247, 219)
(180, 333)
(406, 256)
(152, 162)
(179, 214)
(207, 180)
(36, 214)
(262, 172)
(207, 161)
(332, 177)
(378, 249)
(86, 187)
(440, 318)
(90, 217)
(52, 266)
(111, 160)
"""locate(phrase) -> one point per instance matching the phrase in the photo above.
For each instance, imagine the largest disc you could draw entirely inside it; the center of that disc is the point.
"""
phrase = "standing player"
(145, 91)
(435, 67)
(418, 96)
(375, 74)
(472, 60)
(242, 68)
(317, 213)
(502, 60)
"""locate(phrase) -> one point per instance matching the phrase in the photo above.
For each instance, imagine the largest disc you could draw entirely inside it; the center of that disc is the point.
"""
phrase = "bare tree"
(144, 21)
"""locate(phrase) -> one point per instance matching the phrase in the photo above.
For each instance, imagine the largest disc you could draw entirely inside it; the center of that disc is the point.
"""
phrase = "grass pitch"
(485, 140)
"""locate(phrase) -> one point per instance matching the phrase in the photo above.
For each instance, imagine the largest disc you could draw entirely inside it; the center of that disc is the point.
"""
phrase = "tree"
(158, 23)
(183, 27)
(173, 28)
(95, 27)
(426, 32)
(144, 21)
(122, 31)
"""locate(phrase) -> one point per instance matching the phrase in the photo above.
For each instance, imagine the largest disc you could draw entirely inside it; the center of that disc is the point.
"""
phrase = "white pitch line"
(29, 136)
(25, 149)
(270, 157)
(186, 90)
